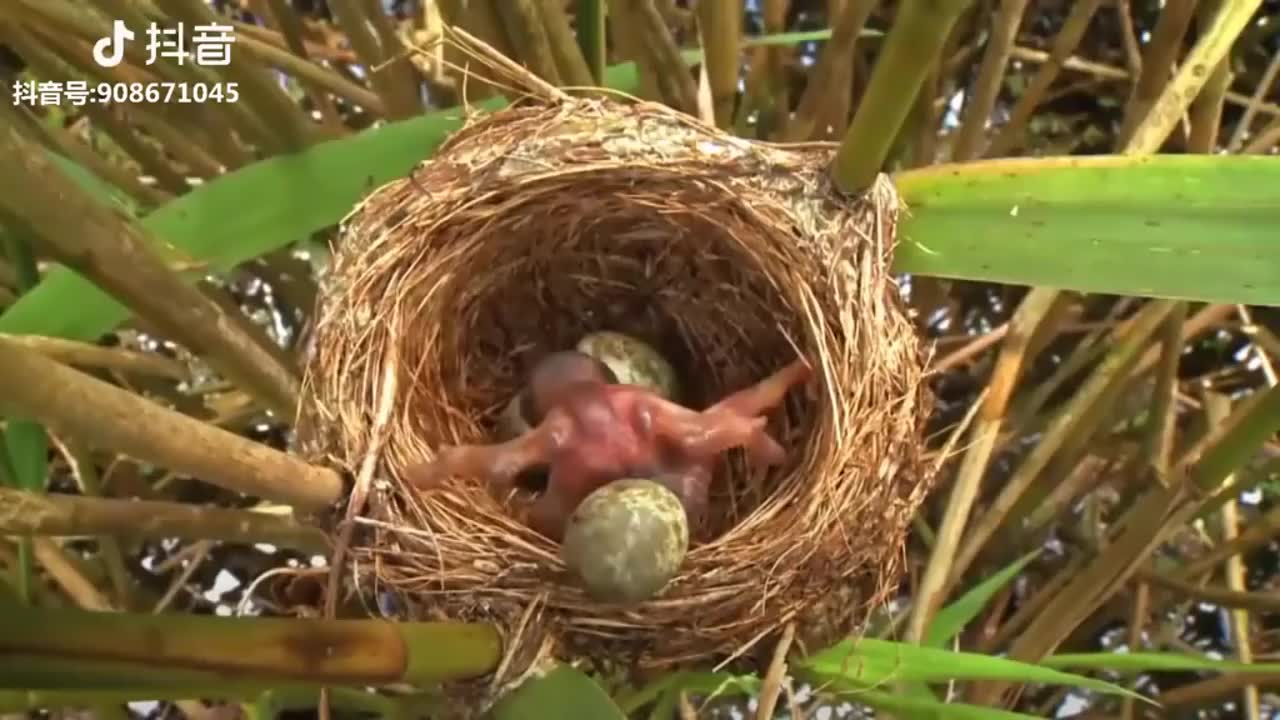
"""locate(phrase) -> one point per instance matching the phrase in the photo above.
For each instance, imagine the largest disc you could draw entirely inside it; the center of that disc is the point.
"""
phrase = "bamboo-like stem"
(72, 352)
(659, 53)
(1158, 437)
(281, 14)
(1157, 64)
(834, 69)
(1064, 44)
(524, 27)
(86, 474)
(1199, 472)
(1118, 364)
(631, 46)
(116, 254)
(391, 707)
(1214, 45)
(774, 90)
(1225, 597)
(480, 19)
(100, 415)
(43, 649)
(570, 62)
(351, 17)
(1216, 407)
(26, 513)
(911, 47)
(592, 37)
(1206, 109)
(286, 121)
(1013, 356)
(982, 96)
(1260, 93)
(722, 39)
(395, 60)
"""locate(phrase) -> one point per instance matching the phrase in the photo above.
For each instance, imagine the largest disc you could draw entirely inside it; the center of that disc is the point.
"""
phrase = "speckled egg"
(633, 361)
(626, 540)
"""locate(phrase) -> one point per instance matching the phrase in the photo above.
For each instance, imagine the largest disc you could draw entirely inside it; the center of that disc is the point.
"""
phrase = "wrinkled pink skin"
(592, 432)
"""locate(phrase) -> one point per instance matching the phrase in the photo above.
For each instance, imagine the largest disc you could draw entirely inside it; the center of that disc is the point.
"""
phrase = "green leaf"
(564, 692)
(924, 709)
(870, 662)
(1193, 227)
(951, 620)
(28, 450)
(1145, 662)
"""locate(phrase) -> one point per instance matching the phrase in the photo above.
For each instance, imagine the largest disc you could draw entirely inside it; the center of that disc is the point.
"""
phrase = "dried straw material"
(561, 216)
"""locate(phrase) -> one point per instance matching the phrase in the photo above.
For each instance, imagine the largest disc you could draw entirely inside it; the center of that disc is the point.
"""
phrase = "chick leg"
(498, 464)
(766, 394)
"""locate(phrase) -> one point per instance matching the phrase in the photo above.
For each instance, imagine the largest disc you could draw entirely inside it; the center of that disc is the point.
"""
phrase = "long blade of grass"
(951, 620)
(1191, 227)
(1147, 662)
(871, 662)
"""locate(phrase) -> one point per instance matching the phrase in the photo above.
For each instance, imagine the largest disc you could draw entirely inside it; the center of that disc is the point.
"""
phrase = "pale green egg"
(626, 540)
(633, 361)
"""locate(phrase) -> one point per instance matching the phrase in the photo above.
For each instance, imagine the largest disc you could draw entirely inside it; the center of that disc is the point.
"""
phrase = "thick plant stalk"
(45, 649)
(1206, 110)
(1064, 44)
(722, 39)
(1192, 75)
(117, 255)
(591, 35)
(57, 514)
(395, 58)
(982, 97)
(524, 27)
(1118, 364)
(71, 352)
(911, 48)
(834, 71)
(1161, 54)
(1013, 356)
(564, 47)
(1144, 527)
(657, 51)
(102, 416)
(282, 16)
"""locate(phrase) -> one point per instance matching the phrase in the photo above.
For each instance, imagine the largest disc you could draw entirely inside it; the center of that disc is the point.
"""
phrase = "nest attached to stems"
(561, 216)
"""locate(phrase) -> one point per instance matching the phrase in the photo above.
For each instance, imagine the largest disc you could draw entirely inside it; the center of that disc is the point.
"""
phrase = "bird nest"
(561, 216)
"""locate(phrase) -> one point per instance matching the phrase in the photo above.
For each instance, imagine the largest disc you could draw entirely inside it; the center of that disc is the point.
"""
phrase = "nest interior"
(540, 223)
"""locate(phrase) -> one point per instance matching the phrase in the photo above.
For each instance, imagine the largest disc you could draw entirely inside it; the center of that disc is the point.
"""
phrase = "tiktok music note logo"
(114, 44)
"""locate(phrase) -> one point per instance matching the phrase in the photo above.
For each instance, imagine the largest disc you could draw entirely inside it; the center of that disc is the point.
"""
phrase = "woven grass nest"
(561, 216)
